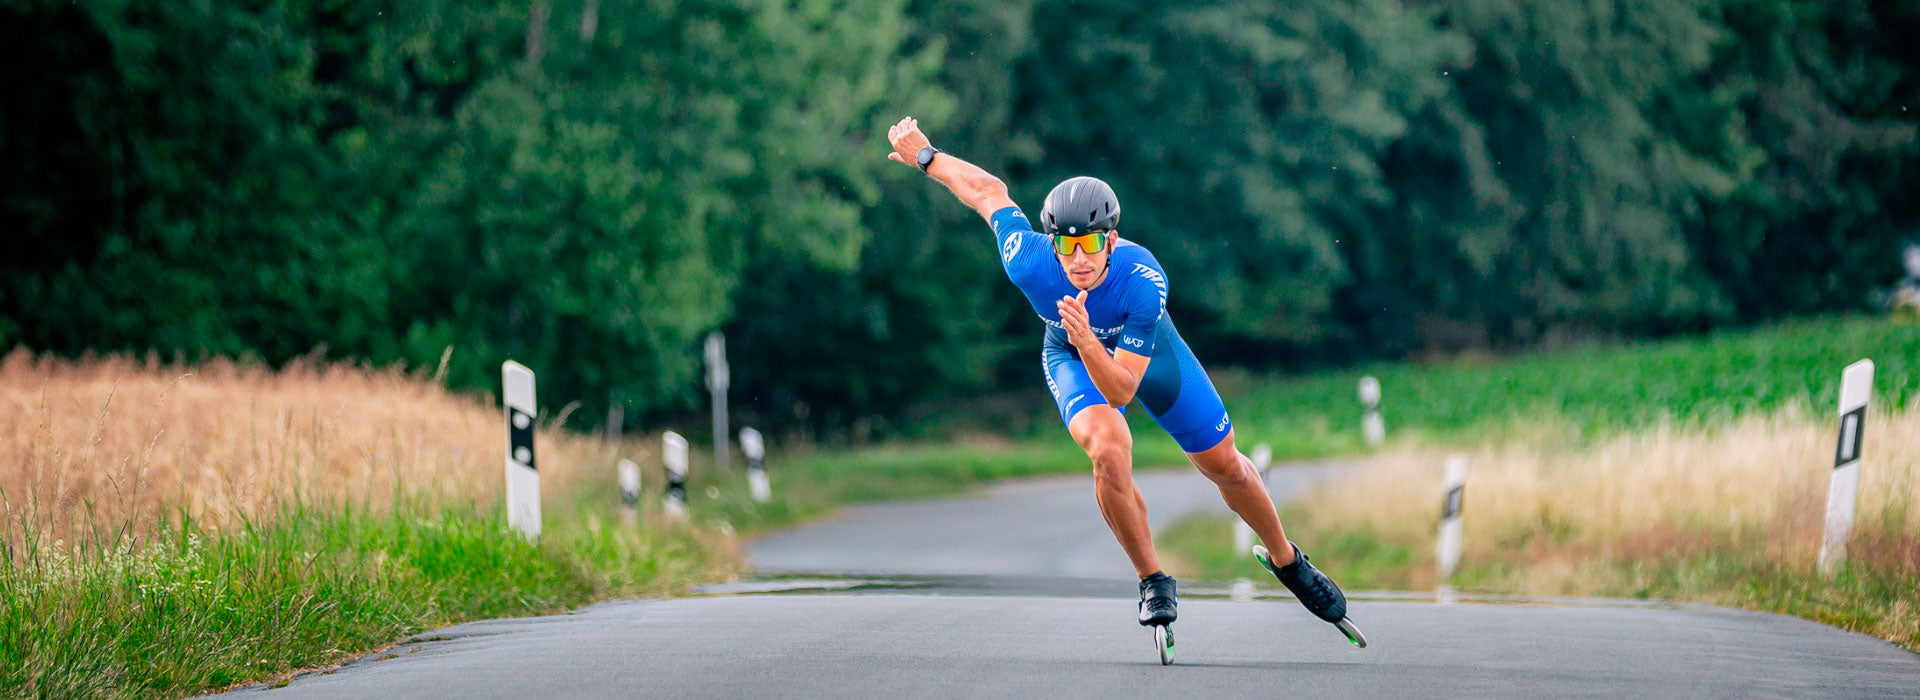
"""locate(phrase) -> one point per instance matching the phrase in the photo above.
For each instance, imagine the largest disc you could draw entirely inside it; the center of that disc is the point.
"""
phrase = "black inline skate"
(1315, 591)
(1159, 607)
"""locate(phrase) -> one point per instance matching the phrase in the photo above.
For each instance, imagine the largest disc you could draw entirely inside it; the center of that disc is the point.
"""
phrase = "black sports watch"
(926, 157)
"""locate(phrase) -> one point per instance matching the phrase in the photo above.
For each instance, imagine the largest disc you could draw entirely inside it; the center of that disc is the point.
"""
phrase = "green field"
(1584, 392)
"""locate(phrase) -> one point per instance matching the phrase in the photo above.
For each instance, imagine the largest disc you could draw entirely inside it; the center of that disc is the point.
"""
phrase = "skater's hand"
(1073, 317)
(907, 142)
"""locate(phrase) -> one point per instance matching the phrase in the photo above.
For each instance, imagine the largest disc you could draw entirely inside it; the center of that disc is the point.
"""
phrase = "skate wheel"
(1265, 558)
(1352, 632)
(1163, 638)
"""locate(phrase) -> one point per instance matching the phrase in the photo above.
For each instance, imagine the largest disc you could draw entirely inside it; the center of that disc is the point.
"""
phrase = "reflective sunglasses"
(1091, 242)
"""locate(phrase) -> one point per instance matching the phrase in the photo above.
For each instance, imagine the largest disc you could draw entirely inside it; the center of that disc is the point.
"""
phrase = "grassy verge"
(1875, 597)
(814, 485)
(160, 534)
(191, 608)
(1730, 514)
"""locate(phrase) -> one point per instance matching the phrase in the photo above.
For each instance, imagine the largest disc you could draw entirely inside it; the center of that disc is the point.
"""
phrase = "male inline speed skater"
(1108, 341)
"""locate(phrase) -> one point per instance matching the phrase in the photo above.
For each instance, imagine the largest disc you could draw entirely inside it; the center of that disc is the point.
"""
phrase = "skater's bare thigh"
(1222, 462)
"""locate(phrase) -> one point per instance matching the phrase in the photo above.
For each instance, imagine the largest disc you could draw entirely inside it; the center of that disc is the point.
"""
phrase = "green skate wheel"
(1352, 632)
(1163, 638)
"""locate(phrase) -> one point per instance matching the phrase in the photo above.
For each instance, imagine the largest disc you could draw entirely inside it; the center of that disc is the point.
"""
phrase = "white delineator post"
(629, 483)
(755, 448)
(629, 491)
(718, 377)
(1449, 547)
(523, 478)
(1843, 492)
(1371, 424)
(674, 454)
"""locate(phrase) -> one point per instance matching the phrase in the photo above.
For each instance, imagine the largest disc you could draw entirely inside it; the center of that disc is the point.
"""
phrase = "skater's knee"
(1237, 472)
(1112, 460)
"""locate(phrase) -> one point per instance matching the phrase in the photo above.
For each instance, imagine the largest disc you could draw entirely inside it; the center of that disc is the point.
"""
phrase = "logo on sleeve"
(1010, 248)
(1158, 280)
(1153, 276)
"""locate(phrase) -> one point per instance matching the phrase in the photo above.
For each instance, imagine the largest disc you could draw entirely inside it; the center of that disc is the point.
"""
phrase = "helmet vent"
(1090, 216)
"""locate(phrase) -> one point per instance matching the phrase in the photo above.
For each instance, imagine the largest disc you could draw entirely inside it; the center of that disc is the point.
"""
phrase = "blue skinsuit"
(1126, 310)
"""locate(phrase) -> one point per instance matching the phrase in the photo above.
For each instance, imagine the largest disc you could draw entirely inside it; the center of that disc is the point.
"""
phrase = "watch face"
(926, 156)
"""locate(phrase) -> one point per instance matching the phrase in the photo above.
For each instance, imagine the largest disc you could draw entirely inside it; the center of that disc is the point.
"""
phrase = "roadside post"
(1371, 423)
(755, 448)
(1449, 547)
(1843, 490)
(718, 376)
(629, 488)
(674, 454)
(523, 477)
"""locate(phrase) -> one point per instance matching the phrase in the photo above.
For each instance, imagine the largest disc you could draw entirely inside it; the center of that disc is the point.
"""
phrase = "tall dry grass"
(1548, 510)
(115, 446)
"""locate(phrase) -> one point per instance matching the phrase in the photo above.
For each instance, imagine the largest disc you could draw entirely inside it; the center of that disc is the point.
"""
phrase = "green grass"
(192, 610)
(812, 486)
(1200, 548)
(1589, 392)
(1578, 393)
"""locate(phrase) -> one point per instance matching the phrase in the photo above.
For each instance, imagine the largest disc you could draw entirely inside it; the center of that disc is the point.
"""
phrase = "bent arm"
(1117, 376)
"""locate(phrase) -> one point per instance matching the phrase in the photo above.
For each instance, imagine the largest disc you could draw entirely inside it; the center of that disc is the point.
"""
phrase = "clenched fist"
(907, 142)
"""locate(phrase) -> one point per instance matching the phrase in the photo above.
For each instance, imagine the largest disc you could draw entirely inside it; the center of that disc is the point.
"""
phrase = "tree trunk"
(589, 20)
(537, 33)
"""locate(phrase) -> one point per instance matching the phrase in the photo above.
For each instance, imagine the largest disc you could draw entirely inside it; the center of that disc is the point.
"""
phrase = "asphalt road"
(1031, 527)
(1021, 592)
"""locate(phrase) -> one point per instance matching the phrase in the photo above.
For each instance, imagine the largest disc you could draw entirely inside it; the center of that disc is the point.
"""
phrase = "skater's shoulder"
(1139, 266)
(1131, 256)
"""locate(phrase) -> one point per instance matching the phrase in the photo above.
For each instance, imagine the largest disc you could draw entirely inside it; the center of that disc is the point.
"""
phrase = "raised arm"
(978, 189)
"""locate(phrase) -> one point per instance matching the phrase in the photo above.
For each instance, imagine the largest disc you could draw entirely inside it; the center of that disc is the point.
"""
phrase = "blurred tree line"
(589, 187)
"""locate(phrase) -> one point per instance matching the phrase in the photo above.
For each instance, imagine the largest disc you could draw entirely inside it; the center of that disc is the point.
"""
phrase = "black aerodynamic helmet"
(1080, 205)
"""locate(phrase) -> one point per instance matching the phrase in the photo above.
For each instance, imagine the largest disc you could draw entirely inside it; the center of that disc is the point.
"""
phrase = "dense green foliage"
(589, 188)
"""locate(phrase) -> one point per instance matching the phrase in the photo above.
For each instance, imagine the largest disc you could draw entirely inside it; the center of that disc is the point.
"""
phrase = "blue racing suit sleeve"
(1022, 250)
(1146, 302)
